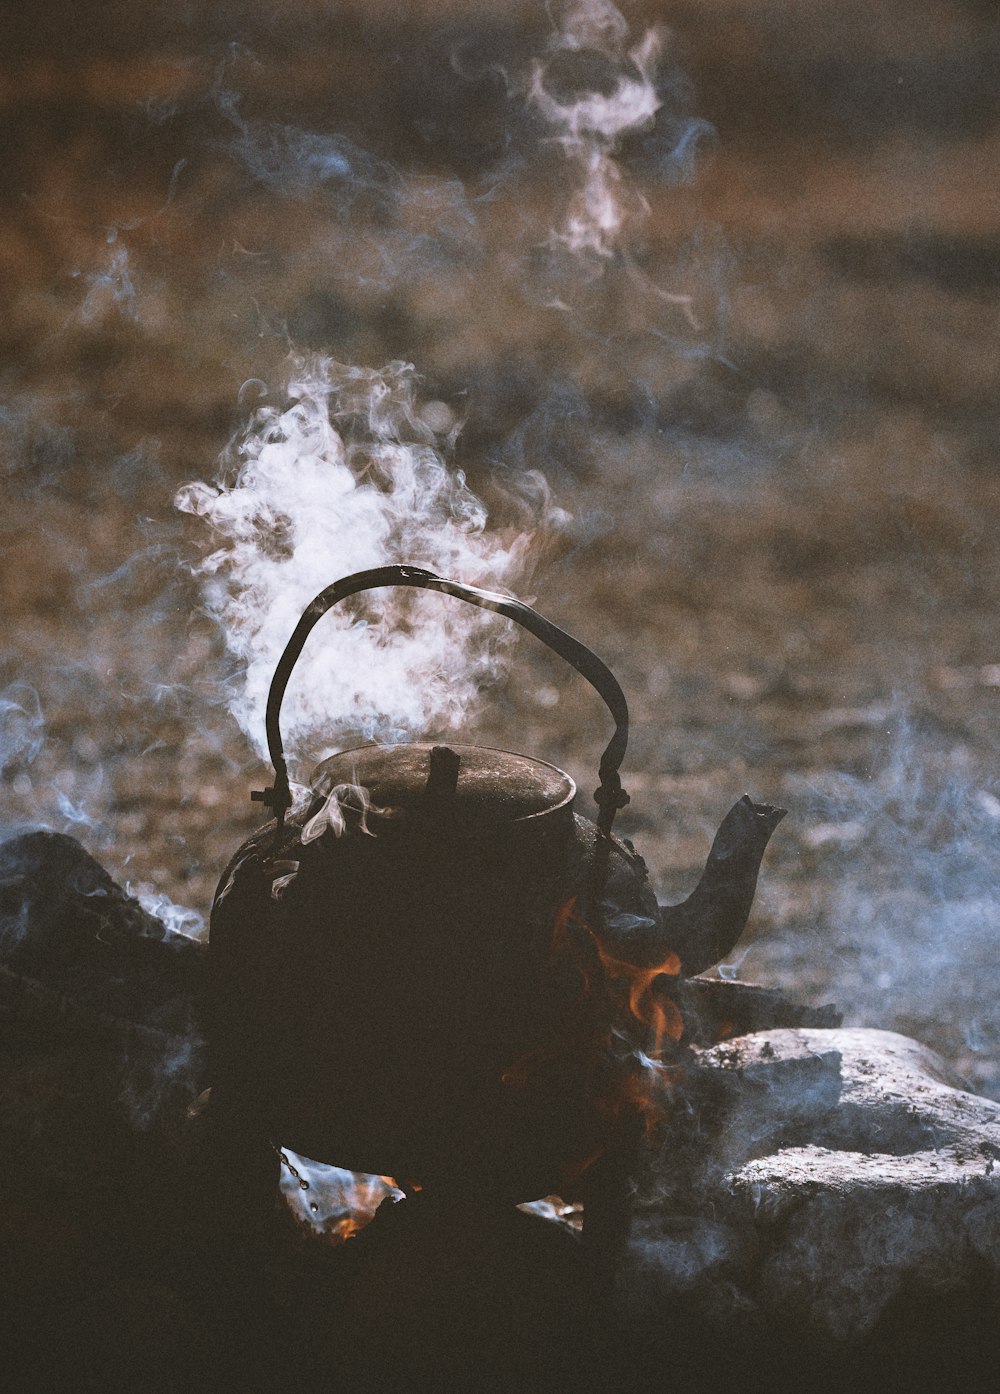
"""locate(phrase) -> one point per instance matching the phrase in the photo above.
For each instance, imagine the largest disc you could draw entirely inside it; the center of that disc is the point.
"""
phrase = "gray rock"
(827, 1173)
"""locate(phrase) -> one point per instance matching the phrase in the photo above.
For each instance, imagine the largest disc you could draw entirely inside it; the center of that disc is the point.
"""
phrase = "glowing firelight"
(658, 1013)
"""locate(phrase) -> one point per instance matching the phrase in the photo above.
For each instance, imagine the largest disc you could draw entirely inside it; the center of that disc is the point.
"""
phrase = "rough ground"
(784, 499)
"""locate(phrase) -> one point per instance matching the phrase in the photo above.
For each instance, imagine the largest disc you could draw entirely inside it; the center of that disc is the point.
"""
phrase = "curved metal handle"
(610, 796)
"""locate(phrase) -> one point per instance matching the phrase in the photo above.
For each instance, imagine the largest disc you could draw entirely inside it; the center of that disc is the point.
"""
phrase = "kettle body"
(401, 972)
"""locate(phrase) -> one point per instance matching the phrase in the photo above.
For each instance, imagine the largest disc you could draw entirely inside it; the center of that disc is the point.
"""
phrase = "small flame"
(640, 1076)
(660, 1014)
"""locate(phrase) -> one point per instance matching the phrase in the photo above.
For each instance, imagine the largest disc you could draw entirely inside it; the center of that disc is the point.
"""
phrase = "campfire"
(428, 969)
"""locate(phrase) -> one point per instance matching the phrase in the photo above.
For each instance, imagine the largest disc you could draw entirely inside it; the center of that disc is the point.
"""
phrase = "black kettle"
(410, 970)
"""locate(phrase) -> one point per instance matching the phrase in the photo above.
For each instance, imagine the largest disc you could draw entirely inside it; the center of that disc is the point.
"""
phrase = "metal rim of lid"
(561, 797)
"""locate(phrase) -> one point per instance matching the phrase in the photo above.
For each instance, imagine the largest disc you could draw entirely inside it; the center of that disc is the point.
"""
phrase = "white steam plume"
(353, 475)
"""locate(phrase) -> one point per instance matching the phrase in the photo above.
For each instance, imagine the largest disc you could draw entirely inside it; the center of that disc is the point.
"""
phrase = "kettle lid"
(470, 785)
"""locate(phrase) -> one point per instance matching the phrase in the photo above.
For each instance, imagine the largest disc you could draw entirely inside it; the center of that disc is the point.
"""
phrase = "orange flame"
(363, 1197)
(660, 1014)
(639, 1086)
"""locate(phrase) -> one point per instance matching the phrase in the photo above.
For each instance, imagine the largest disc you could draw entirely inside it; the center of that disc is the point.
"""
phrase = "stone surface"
(825, 1174)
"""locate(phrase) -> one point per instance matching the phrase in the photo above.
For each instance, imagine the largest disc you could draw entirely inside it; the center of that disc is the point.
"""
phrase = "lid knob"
(442, 778)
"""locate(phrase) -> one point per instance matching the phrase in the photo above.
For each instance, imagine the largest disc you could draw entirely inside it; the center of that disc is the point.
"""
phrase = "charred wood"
(715, 1009)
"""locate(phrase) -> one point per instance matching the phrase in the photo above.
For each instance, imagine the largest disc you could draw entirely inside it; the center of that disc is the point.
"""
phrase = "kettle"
(409, 970)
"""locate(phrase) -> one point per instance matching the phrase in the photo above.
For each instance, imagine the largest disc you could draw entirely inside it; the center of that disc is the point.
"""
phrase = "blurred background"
(703, 302)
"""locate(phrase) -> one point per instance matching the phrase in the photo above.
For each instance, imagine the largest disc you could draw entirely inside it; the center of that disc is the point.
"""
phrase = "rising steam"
(594, 88)
(353, 474)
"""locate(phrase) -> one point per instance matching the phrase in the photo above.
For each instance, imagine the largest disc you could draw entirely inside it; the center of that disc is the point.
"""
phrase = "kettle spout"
(704, 929)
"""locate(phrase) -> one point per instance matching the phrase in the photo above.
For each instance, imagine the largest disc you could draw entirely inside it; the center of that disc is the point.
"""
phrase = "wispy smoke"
(353, 474)
(110, 288)
(22, 726)
(416, 225)
(598, 92)
(909, 854)
(295, 161)
(593, 88)
(72, 802)
(176, 919)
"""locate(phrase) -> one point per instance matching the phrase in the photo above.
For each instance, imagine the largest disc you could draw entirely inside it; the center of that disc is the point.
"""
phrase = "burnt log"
(715, 1009)
(78, 952)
